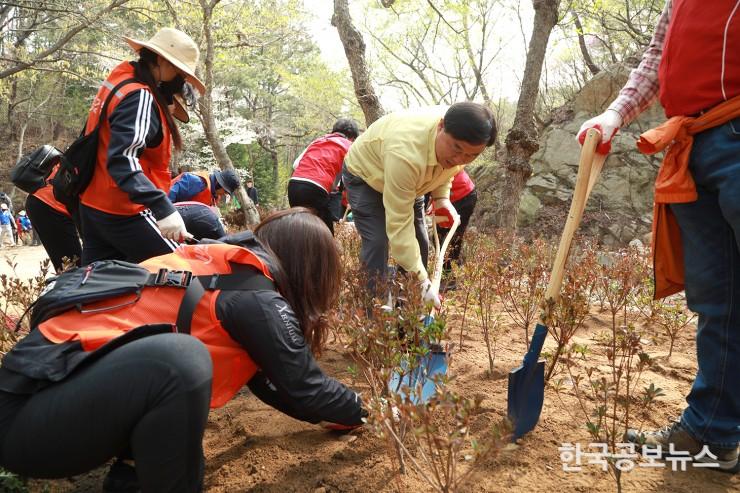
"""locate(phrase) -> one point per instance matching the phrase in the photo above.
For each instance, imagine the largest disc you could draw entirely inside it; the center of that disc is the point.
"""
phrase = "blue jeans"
(710, 234)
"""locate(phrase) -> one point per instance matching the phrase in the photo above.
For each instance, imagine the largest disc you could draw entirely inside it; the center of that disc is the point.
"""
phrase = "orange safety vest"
(102, 193)
(674, 184)
(46, 194)
(232, 366)
(204, 196)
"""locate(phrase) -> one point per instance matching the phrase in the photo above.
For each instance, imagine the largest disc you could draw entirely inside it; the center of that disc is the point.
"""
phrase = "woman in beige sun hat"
(125, 212)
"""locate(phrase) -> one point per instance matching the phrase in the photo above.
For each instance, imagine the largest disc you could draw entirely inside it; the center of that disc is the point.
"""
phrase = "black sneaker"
(677, 436)
(121, 478)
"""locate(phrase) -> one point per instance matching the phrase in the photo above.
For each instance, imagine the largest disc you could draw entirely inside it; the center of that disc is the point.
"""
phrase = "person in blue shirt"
(25, 222)
(204, 187)
(7, 225)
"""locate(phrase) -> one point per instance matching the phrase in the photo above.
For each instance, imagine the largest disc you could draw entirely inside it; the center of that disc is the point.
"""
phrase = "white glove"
(172, 227)
(607, 123)
(445, 209)
(430, 294)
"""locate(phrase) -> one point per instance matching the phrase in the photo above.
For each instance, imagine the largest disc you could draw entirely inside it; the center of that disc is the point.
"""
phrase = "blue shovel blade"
(526, 391)
(428, 367)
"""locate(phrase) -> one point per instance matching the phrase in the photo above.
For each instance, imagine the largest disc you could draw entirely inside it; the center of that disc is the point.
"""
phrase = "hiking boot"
(681, 440)
(121, 478)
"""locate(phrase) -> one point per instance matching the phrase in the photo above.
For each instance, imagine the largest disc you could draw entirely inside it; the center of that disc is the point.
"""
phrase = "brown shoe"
(676, 438)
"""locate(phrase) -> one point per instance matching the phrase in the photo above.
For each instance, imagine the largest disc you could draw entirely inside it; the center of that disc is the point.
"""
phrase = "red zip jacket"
(322, 160)
(462, 185)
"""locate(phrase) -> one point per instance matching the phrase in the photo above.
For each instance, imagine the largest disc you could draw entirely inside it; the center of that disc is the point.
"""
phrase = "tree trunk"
(592, 67)
(19, 154)
(251, 216)
(522, 139)
(354, 49)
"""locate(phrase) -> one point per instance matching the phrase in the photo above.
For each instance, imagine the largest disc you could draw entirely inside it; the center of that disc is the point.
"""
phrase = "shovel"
(420, 380)
(527, 382)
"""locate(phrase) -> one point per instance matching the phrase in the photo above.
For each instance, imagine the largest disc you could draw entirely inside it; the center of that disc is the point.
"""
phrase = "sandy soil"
(24, 260)
(250, 447)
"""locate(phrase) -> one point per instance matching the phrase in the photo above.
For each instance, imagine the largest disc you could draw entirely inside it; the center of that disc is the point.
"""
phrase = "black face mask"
(171, 87)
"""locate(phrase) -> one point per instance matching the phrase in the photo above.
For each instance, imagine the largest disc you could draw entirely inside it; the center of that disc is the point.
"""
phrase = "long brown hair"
(143, 73)
(310, 269)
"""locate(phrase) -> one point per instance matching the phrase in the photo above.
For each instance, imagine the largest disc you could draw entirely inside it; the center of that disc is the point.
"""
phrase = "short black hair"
(348, 127)
(471, 122)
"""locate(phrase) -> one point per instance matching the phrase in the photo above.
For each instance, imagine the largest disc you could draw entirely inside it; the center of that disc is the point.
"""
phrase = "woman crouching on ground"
(82, 388)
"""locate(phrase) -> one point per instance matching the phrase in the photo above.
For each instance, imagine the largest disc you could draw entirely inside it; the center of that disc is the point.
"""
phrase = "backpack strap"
(104, 109)
(243, 278)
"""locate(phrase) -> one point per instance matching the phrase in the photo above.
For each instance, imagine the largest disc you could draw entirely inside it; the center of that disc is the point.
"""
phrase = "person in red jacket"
(83, 387)
(463, 197)
(124, 211)
(693, 65)
(317, 170)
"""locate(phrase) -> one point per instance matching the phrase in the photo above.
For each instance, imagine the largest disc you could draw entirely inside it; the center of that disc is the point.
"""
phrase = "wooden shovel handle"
(584, 184)
(439, 264)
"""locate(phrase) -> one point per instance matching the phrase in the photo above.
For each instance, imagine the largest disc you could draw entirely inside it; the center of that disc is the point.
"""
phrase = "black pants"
(465, 207)
(369, 216)
(150, 398)
(201, 221)
(304, 194)
(56, 231)
(131, 238)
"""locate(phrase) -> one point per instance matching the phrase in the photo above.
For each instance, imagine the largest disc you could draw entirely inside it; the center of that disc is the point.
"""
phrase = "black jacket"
(134, 124)
(288, 379)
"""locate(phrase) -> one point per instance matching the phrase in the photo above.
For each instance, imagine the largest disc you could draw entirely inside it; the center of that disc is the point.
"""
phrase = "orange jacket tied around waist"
(673, 185)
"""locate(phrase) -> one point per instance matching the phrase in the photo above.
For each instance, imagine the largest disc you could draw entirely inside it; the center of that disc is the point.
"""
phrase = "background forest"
(278, 77)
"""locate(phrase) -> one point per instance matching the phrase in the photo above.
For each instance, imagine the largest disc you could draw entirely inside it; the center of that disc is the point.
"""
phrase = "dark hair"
(143, 73)
(348, 127)
(310, 269)
(471, 122)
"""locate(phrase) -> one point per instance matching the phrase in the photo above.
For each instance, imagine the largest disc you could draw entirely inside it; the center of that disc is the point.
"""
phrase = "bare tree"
(40, 17)
(251, 216)
(592, 67)
(522, 139)
(354, 49)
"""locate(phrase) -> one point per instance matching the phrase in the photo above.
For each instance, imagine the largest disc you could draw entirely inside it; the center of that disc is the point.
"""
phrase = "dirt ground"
(25, 258)
(250, 447)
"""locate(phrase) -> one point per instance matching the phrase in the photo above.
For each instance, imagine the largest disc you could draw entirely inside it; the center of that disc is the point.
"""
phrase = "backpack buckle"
(177, 278)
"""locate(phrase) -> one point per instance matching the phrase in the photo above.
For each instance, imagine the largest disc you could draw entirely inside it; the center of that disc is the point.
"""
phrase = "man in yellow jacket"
(393, 164)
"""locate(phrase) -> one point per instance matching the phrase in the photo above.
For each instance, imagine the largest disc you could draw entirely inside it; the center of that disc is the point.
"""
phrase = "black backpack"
(32, 170)
(77, 165)
(79, 288)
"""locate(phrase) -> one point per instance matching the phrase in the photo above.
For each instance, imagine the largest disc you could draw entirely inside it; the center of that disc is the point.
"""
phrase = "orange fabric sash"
(674, 184)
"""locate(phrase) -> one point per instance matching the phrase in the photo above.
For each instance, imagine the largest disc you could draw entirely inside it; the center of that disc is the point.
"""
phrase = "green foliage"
(10, 483)
(257, 164)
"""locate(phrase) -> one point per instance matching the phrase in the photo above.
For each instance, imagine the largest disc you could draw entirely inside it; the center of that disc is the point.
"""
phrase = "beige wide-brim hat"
(176, 47)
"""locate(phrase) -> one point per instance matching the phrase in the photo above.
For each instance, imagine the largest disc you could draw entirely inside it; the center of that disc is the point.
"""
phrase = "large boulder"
(620, 206)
